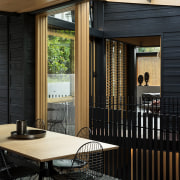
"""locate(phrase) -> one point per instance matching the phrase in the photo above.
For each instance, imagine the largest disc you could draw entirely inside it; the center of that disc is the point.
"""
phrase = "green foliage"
(148, 49)
(58, 55)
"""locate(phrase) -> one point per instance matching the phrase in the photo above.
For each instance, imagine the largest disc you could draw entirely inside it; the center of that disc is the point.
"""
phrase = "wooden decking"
(105, 177)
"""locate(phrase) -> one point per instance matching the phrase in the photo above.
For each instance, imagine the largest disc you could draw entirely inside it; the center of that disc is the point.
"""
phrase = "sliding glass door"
(61, 73)
(62, 68)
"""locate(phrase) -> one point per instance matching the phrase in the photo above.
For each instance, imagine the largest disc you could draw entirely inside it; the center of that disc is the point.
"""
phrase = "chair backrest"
(40, 124)
(56, 126)
(84, 132)
(92, 154)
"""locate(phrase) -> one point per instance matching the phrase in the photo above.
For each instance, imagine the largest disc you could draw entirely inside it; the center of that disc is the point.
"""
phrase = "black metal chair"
(84, 132)
(55, 124)
(39, 123)
(11, 171)
(88, 163)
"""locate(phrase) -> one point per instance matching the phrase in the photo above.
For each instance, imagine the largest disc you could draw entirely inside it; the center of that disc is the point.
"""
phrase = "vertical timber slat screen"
(148, 140)
(116, 71)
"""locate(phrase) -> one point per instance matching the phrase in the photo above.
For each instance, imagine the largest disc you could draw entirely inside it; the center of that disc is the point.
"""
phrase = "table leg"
(51, 169)
(41, 171)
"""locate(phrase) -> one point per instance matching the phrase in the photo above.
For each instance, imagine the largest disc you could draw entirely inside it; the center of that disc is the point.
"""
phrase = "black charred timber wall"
(132, 20)
(3, 69)
(17, 80)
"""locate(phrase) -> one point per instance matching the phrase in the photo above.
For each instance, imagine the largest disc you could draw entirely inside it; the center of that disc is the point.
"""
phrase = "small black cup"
(21, 127)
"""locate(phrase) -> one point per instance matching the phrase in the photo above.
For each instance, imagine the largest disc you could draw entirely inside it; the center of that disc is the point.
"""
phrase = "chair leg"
(63, 128)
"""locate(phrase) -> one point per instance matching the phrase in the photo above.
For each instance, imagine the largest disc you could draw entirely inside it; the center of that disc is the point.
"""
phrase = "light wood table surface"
(52, 146)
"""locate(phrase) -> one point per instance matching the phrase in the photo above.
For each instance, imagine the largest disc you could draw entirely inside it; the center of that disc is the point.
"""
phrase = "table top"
(52, 146)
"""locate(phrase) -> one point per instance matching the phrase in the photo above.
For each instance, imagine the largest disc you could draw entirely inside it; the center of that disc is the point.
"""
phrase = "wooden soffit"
(153, 41)
(152, 2)
(21, 6)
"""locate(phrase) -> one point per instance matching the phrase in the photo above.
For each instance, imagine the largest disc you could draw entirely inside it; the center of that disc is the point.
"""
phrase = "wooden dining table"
(52, 146)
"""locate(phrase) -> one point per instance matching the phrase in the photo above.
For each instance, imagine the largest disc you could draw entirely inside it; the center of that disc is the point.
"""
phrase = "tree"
(58, 55)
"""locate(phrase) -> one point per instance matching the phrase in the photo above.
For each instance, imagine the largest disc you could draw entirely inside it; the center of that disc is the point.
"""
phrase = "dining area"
(45, 154)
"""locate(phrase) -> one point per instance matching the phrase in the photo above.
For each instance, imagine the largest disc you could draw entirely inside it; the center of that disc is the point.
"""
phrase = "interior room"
(89, 89)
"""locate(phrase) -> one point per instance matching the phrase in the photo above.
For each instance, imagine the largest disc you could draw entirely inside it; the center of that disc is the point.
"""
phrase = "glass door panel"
(61, 76)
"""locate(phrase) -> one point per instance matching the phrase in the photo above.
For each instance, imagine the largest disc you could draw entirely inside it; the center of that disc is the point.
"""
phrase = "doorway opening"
(148, 63)
(147, 66)
(133, 73)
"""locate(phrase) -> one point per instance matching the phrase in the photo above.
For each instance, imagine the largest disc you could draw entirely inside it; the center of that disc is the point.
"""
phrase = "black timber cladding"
(98, 34)
(3, 69)
(133, 20)
(17, 68)
(121, 19)
(22, 68)
(171, 64)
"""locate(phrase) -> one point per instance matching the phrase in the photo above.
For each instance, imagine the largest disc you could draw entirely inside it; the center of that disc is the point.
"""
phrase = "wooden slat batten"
(82, 65)
(41, 68)
(152, 65)
(151, 2)
(116, 72)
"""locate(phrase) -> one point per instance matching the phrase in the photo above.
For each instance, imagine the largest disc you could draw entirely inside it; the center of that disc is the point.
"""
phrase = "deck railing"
(147, 133)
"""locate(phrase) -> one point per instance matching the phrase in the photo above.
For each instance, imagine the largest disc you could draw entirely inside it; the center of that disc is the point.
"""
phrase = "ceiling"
(152, 2)
(20, 6)
(152, 41)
